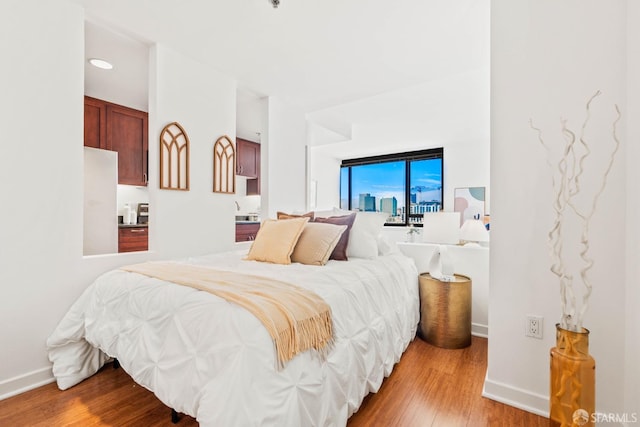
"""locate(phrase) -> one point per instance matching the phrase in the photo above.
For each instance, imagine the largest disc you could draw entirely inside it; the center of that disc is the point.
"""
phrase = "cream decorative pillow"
(317, 242)
(276, 240)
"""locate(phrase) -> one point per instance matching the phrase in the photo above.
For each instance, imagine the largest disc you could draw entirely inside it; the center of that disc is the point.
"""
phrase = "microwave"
(143, 213)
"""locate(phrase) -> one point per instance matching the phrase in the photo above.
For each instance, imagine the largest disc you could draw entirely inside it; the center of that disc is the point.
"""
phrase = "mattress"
(213, 360)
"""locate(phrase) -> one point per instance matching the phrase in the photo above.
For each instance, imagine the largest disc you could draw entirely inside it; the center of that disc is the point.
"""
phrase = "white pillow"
(342, 212)
(363, 238)
(386, 246)
(324, 214)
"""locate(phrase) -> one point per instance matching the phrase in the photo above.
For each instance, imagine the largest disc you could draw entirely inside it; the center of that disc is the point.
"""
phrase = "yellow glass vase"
(573, 380)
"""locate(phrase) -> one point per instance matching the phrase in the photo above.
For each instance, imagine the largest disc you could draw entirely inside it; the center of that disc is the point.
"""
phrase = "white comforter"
(213, 360)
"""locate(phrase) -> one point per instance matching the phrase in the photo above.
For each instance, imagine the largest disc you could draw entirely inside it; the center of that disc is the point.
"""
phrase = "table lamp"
(473, 232)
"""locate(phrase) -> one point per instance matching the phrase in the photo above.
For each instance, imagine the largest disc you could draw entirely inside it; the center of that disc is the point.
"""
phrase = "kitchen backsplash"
(245, 204)
(129, 194)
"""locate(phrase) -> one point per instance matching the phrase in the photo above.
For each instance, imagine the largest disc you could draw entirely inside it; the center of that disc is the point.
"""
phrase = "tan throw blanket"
(297, 319)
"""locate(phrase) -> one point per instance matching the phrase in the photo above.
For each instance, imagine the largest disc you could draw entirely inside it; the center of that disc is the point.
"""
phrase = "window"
(393, 182)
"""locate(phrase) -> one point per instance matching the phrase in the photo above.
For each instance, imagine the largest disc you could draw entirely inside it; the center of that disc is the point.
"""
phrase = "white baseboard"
(25, 382)
(479, 330)
(528, 401)
(517, 397)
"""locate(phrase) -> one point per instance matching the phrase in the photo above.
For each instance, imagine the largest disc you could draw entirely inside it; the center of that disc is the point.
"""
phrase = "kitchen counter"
(247, 218)
(132, 225)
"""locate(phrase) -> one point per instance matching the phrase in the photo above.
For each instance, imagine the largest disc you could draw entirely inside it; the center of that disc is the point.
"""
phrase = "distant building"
(389, 205)
(423, 207)
(367, 202)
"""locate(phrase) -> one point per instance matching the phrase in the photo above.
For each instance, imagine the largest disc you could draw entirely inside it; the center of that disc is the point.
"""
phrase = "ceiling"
(347, 64)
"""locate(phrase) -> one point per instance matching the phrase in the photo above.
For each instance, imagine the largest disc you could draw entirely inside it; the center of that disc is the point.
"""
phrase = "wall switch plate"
(533, 326)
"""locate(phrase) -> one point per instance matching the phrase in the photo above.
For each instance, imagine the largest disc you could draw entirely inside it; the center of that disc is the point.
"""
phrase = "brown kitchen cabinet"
(246, 231)
(118, 128)
(127, 134)
(253, 186)
(133, 238)
(248, 164)
(95, 123)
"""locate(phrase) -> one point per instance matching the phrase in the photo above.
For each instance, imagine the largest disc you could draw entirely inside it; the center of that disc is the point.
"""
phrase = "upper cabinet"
(95, 123)
(125, 130)
(127, 134)
(248, 164)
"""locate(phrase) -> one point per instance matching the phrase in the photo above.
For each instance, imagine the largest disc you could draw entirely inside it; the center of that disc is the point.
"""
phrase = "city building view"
(381, 187)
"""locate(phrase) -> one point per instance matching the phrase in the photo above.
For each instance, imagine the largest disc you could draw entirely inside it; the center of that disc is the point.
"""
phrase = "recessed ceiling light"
(100, 63)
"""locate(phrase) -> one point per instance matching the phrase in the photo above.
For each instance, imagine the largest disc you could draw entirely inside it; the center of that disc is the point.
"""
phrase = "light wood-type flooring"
(429, 387)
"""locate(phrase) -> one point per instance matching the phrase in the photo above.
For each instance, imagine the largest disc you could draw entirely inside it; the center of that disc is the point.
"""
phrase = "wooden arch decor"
(174, 158)
(224, 166)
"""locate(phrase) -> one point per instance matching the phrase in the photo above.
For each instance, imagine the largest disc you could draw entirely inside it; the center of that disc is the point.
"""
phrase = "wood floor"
(435, 387)
(429, 387)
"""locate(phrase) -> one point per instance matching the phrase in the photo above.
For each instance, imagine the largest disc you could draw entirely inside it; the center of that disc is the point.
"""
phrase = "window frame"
(407, 157)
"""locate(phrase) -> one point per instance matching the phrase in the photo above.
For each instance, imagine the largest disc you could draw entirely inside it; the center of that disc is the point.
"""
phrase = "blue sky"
(387, 180)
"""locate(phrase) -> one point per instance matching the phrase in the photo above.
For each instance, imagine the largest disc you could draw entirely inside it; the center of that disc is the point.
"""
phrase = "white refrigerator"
(100, 202)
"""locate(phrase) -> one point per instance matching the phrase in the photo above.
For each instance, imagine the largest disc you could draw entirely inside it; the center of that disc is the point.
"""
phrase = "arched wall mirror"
(174, 158)
(224, 166)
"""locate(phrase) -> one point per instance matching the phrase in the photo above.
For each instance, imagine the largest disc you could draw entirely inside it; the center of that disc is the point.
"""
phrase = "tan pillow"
(316, 243)
(276, 240)
(340, 251)
(284, 215)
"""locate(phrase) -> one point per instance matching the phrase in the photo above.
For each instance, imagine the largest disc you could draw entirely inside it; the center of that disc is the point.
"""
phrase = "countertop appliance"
(143, 213)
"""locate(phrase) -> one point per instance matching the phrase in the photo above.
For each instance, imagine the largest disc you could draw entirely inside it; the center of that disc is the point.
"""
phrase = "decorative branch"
(570, 169)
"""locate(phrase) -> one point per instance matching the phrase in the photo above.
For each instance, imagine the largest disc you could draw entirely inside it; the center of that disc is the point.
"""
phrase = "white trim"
(517, 397)
(29, 381)
(480, 330)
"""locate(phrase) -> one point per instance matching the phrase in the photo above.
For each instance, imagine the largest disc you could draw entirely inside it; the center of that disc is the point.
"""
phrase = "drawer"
(246, 232)
(131, 239)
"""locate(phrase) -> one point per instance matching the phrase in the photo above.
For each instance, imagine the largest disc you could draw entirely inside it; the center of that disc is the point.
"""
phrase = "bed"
(206, 357)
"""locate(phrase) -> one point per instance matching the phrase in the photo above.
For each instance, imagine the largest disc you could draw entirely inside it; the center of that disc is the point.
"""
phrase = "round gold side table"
(445, 311)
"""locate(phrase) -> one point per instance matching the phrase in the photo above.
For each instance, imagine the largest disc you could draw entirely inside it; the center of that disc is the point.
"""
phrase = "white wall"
(548, 58)
(41, 237)
(42, 270)
(203, 102)
(283, 158)
(466, 164)
(632, 353)
(455, 117)
(325, 170)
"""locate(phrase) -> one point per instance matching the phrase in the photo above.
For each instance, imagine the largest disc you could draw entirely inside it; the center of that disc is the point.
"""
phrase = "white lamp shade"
(473, 230)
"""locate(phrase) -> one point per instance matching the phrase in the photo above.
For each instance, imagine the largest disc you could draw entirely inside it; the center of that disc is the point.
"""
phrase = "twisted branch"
(566, 188)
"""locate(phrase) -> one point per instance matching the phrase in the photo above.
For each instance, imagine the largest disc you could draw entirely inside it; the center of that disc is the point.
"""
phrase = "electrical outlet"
(534, 326)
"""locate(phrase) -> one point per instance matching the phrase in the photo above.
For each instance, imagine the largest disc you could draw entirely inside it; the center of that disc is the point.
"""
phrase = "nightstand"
(445, 311)
(469, 261)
